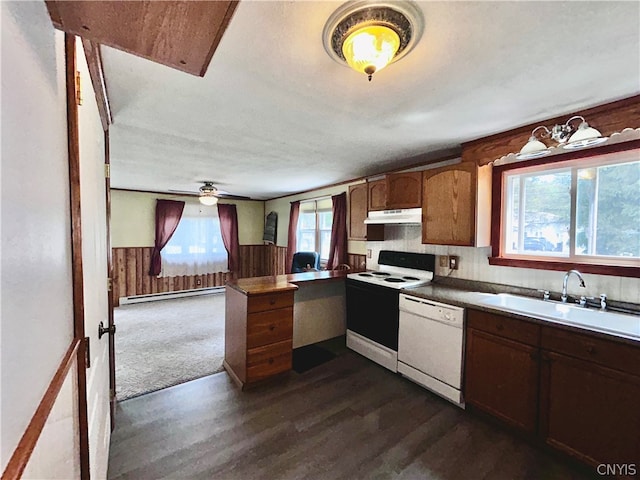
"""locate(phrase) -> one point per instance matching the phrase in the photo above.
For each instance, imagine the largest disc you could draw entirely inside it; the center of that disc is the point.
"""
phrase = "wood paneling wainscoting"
(131, 270)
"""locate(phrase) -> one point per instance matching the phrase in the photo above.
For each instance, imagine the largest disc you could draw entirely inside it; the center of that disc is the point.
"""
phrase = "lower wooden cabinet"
(590, 412)
(258, 334)
(502, 378)
(578, 392)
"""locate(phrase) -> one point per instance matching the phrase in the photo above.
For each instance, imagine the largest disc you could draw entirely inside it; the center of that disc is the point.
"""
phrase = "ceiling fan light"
(369, 49)
(534, 148)
(208, 199)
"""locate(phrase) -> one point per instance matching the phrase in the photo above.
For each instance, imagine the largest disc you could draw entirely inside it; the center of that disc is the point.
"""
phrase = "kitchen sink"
(600, 320)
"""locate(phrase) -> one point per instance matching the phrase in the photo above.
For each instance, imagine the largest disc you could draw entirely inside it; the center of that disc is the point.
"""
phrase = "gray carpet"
(167, 342)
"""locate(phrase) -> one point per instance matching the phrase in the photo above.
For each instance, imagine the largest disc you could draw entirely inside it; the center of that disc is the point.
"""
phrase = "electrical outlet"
(444, 261)
(368, 253)
(454, 260)
(198, 282)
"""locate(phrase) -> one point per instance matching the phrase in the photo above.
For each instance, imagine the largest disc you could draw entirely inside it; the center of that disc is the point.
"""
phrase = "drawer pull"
(591, 349)
(500, 327)
(272, 328)
(270, 360)
(272, 301)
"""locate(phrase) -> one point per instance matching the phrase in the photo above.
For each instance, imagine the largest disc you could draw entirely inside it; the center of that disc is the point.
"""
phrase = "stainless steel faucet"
(566, 280)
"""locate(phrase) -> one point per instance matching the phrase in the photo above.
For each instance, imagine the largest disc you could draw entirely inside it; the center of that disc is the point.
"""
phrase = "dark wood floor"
(345, 419)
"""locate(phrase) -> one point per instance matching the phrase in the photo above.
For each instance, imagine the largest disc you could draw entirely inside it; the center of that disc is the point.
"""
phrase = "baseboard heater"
(166, 295)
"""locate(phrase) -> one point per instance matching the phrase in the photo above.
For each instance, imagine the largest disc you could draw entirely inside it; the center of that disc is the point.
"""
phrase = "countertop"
(280, 283)
(467, 298)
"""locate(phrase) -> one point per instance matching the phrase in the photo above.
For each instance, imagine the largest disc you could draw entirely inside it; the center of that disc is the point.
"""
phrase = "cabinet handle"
(270, 360)
(272, 328)
(591, 350)
(500, 327)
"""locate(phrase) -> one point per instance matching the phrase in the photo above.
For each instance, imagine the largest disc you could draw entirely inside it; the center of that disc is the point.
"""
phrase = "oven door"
(372, 311)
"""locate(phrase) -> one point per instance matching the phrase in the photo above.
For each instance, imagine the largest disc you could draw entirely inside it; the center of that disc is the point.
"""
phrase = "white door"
(94, 265)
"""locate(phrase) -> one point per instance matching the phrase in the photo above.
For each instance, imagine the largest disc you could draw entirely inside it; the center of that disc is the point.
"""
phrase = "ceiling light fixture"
(369, 35)
(208, 194)
(567, 135)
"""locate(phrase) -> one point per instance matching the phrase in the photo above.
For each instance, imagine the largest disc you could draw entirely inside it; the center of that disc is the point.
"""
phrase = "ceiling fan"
(208, 194)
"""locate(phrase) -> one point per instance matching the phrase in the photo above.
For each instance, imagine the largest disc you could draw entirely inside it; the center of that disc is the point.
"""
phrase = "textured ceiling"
(275, 115)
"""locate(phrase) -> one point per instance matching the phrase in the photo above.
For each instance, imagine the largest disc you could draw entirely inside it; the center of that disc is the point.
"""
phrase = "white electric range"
(373, 303)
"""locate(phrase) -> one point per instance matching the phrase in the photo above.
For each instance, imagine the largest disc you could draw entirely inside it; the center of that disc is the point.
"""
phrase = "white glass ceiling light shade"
(208, 199)
(368, 35)
(534, 148)
(584, 136)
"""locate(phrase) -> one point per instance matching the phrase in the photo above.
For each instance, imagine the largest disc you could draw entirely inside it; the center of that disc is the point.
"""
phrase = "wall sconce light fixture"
(369, 35)
(566, 135)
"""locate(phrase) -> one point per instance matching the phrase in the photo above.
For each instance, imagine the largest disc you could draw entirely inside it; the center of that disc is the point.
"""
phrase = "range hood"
(405, 215)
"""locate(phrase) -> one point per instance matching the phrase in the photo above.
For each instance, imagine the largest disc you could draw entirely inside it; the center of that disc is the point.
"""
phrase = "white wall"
(94, 268)
(133, 218)
(36, 326)
(474, 265)
(282, 207)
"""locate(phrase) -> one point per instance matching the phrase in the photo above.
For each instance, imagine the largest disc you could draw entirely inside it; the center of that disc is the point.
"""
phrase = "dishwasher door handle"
(422, 302)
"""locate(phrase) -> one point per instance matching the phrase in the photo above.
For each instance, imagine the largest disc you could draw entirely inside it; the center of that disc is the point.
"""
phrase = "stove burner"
(365, 275)
(411, 278)
(394, 280)
(381, 274)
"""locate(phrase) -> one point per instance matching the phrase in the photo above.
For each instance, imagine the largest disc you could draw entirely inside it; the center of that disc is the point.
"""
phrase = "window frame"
(498, 222)
(318, 231)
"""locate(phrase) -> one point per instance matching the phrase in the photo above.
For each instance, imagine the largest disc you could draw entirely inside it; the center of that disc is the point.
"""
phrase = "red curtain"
(229, 227)
(293, 231)
(168, 214)
(338, 245)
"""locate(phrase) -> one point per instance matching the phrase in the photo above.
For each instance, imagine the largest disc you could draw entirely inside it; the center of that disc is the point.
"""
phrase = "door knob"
(102, 329)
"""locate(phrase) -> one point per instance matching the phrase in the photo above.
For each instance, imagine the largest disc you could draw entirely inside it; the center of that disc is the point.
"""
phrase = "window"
(314, 227)
(196, 246)
(584, 211)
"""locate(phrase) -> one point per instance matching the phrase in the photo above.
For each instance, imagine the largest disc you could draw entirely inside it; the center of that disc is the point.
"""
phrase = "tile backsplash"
(474, 265)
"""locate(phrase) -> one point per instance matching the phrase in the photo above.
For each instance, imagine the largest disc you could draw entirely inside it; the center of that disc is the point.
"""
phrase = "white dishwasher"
(430, 345)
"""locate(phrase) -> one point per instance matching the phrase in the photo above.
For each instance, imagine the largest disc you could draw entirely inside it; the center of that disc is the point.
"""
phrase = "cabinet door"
(589, 411)
(404, 190)
(377, 195)
(358, 195)
(448, 205)
(501, 378)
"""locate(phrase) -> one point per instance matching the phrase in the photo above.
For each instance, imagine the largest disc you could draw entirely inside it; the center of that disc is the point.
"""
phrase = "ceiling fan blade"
(229, 196)
(183, 192)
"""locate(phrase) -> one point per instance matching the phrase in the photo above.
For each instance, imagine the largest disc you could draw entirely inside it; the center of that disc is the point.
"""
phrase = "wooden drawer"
(263, 362)
(505, 327)
(270, 301)
(269, 327)
(617, 356)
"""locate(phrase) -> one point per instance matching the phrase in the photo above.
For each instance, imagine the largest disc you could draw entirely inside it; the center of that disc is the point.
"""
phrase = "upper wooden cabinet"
(182, 35)
(358, 195)
(456, 205)
(377, 194)
(404, 190)
(396, 190)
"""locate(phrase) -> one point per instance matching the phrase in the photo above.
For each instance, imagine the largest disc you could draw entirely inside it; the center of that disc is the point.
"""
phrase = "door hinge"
(78, 89)
(87, 352)
(109, 284)
(107, 170)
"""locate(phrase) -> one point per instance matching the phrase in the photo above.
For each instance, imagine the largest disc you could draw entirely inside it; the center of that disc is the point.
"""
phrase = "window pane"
(307, 241)
(326, 219)
(608, 210)
(325, 243)
(307, 221)
(196, 247)
(539, 213)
